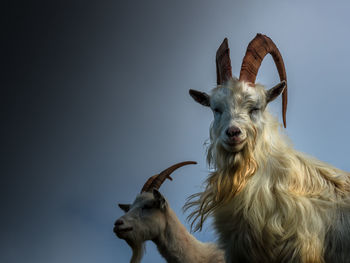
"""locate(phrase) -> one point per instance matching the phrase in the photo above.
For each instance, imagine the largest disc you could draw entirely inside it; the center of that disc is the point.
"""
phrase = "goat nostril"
(118, 222)
(233, 131)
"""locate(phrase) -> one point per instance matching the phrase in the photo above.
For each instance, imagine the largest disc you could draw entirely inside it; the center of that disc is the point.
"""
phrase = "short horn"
(157, 180)
(257, 49)
(223, 63)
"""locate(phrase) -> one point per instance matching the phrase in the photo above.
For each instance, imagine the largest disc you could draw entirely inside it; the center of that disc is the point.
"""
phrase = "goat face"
(144, 219)
(238, 109)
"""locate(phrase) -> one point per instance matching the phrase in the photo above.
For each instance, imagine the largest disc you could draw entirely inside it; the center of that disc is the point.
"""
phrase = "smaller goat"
(151, 218)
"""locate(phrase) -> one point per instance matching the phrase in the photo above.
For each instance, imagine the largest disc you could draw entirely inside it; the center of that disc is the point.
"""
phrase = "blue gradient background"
(94, 100)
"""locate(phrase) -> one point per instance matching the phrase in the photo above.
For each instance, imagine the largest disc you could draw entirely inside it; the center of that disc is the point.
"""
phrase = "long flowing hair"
(231, 173)
(282, 193)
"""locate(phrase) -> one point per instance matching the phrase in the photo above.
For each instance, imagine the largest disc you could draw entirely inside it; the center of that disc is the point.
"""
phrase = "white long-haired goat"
(151, 218)
(269, 202)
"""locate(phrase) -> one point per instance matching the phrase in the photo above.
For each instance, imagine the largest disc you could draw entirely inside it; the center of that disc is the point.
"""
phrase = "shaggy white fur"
(270, 203)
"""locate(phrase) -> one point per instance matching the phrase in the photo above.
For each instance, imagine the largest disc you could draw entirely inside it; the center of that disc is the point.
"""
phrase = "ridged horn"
(157, 180)
(223, 63)
(257, 49)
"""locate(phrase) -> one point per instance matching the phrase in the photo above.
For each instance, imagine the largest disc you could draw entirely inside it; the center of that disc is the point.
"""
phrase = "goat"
(269, 202)
(151, 218)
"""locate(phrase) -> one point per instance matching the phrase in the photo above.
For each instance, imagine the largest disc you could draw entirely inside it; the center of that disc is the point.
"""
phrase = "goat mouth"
(234, 145)
(119, 230)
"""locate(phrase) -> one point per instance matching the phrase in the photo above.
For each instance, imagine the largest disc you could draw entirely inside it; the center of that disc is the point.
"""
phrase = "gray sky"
(96, 100)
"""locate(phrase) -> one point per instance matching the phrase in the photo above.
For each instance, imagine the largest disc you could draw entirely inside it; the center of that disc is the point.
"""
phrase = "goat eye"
(254, 110)
(217, 110)
(147, 206)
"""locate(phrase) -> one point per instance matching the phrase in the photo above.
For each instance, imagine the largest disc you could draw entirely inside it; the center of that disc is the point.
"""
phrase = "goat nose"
(233, 131)
(118, 222)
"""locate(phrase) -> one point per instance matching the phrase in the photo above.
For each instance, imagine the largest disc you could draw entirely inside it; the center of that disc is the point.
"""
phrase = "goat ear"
(124, 207)
(161, 202)
(275, 91)
(200, 97)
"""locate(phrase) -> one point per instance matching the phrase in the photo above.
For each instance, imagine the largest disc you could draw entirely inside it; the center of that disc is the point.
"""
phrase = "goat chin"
(134, 241)
(271, 203)
(233, 148)
(137, 252)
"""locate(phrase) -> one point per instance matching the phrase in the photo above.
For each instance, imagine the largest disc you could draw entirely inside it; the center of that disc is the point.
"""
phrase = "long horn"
(223, 63)
(156, 181)
(257, 49)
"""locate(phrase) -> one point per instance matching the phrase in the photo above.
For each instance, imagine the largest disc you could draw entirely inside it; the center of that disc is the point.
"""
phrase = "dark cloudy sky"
(94, 100)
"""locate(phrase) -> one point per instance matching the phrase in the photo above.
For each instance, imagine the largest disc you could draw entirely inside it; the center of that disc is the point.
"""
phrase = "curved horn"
(223, 63)
(257, 49)
(156, 181)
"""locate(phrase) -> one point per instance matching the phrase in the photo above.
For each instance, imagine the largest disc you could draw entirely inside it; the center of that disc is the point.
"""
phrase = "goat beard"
(138, 249)
(232, 172)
